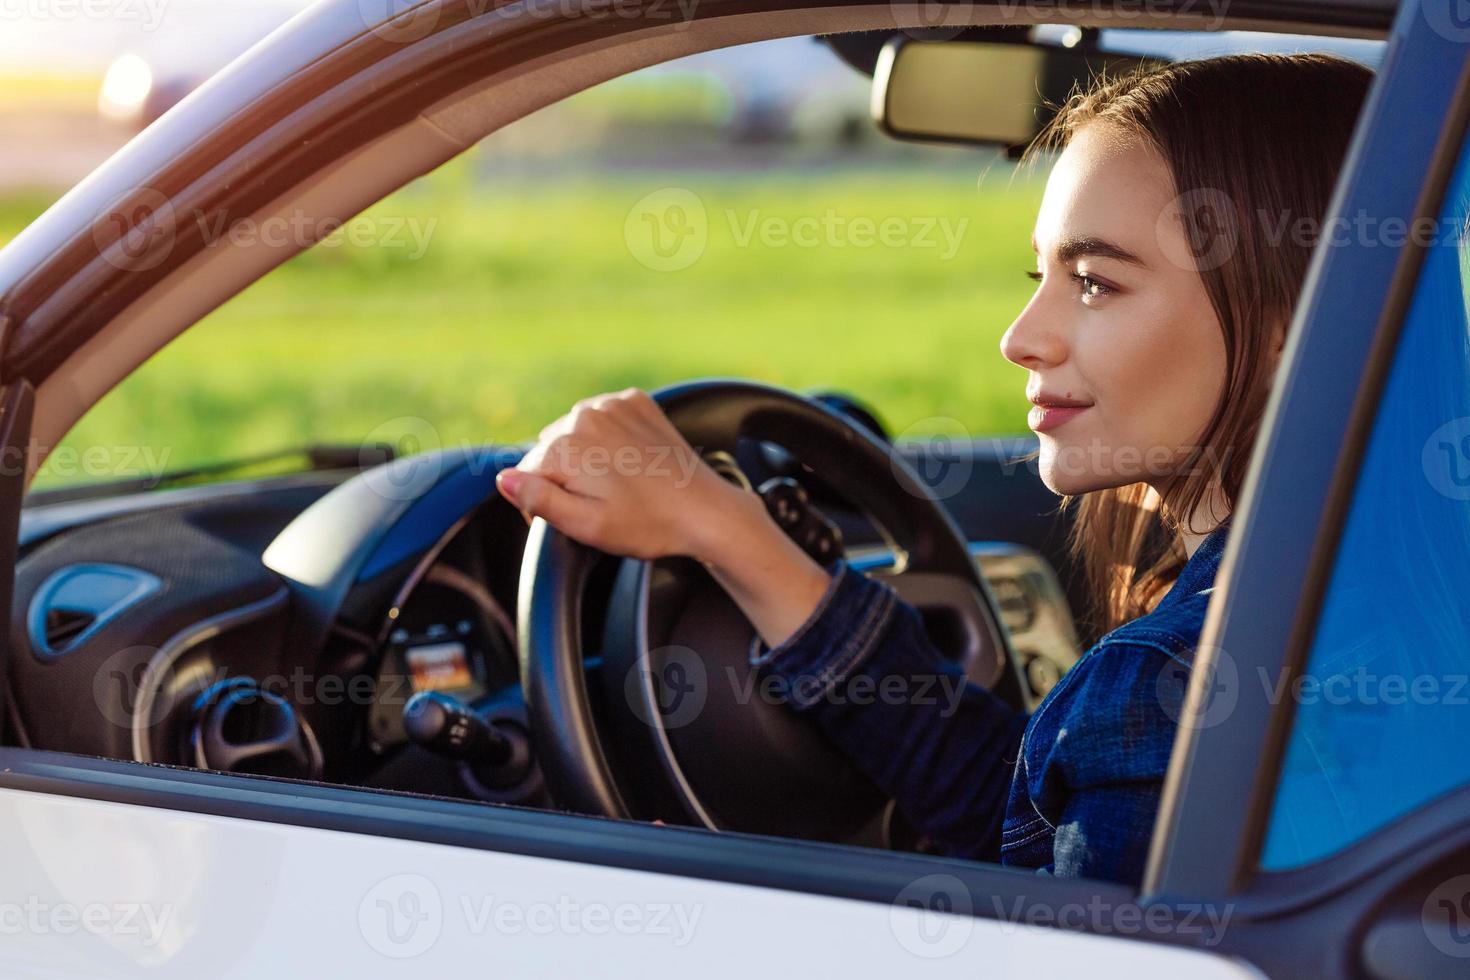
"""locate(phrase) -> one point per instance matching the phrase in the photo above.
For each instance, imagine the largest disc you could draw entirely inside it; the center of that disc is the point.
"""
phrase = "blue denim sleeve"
(865, 670)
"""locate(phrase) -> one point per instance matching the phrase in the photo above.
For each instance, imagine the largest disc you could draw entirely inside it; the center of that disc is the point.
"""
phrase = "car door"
(116, 870)
(1340, 648)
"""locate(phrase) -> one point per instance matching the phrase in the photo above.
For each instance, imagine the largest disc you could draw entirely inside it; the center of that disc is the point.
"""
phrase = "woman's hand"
(617, 476)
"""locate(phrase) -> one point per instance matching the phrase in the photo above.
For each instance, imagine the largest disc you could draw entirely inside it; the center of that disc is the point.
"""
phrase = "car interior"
(380, 618)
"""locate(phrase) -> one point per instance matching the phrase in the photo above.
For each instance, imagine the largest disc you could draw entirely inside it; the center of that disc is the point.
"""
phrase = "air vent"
(65, 625)
(1017, 606)
(76, 602)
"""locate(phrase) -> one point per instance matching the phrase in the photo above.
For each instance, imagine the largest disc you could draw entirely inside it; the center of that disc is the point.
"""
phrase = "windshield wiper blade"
(319, 457)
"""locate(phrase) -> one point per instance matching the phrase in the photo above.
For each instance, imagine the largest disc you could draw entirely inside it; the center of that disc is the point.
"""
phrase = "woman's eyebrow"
(1070, 249)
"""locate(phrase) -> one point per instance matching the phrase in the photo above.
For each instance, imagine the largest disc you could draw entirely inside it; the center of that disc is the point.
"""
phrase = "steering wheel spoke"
(958, 619)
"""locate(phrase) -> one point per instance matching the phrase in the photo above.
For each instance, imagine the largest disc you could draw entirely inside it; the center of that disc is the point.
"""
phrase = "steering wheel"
(681, 723)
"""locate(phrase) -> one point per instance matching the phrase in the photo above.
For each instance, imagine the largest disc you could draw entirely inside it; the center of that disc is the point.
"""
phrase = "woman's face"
(1125, 355)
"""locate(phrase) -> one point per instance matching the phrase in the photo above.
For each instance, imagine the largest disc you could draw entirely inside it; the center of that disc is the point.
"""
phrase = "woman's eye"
(1091, 288)
(1033, 275)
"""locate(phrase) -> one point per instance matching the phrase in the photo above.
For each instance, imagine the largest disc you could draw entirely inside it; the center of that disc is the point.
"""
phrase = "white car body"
(108, 891)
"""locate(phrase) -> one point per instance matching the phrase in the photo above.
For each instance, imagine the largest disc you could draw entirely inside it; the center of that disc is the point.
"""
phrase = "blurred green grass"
(529, 297)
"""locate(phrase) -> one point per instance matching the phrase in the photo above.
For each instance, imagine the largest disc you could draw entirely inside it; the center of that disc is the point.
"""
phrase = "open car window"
(730, 214)
(1381, 709)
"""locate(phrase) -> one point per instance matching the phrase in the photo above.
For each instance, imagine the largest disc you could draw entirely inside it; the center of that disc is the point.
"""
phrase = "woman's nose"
(1031, 343)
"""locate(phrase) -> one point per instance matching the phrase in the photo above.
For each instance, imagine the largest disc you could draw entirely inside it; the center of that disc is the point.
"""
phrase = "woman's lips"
(1044, 418)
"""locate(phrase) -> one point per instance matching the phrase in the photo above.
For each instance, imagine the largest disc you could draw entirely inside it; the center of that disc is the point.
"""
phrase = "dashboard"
(449, 634)
(288, 627)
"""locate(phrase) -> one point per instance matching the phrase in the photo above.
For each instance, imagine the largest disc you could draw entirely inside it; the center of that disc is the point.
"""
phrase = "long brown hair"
(1254, 144)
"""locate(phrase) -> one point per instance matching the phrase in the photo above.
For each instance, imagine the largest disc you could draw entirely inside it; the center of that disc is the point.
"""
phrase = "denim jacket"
(1072, 790)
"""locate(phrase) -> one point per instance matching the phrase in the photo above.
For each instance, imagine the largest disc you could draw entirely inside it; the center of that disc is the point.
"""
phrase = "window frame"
(1278, 565)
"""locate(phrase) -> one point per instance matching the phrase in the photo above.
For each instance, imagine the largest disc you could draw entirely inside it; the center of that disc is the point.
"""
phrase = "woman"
(1171, 243)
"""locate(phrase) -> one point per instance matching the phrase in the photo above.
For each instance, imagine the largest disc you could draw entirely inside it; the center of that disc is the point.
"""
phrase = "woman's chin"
(1066, 473)
(1068, 486)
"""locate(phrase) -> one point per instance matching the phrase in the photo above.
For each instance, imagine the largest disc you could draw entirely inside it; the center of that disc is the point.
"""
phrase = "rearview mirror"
(980, 92)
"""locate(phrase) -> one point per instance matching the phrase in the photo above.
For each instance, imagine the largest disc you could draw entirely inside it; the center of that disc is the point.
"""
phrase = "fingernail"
(510, 482)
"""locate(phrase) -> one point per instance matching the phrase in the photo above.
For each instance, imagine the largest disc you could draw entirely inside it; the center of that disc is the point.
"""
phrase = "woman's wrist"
(724, 523)
(776, 584)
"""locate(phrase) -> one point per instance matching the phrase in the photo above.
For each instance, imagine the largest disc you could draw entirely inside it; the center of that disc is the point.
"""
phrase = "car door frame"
(1277, 568)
